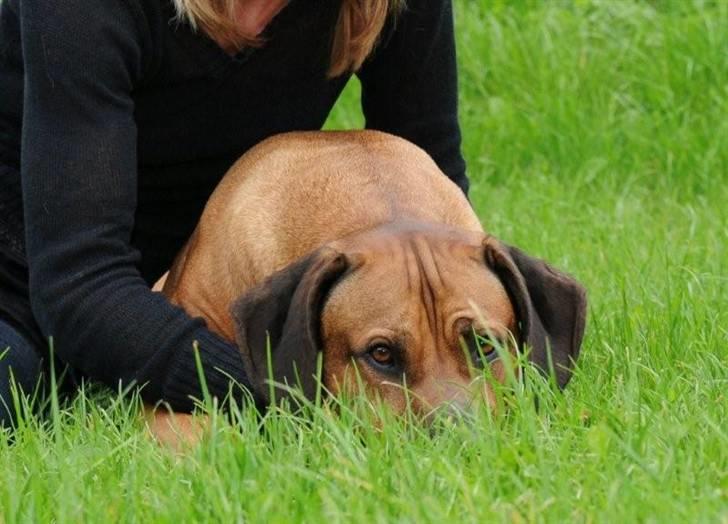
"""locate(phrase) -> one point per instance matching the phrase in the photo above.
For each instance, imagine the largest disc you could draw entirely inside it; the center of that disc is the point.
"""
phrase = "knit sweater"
(119, 121)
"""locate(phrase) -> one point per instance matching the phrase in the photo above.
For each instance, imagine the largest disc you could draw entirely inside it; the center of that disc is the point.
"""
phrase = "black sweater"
(121, 122)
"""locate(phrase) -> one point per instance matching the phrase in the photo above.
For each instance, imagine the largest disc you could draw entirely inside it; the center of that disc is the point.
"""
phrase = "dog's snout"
(455, 409)
(454, 399)
(445, 395)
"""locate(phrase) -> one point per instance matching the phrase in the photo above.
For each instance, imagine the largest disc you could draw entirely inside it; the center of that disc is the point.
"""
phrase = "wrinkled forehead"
(401, 277)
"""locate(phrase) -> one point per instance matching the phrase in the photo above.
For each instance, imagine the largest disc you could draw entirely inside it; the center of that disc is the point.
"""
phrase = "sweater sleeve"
(409, 85)
(79, 168)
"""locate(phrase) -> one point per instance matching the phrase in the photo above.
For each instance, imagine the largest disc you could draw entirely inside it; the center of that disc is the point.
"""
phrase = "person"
(117, 120)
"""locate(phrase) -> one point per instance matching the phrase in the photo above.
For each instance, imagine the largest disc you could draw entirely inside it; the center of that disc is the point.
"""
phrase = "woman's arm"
(79, 168)
(409, 85)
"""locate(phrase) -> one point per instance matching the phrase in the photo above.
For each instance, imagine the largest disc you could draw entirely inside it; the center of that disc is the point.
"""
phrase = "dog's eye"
(382, 355)
(485, 351)
(385, 357)
(481, 347)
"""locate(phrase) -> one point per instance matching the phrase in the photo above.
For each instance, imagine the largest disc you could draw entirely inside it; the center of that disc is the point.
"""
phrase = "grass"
(596, 135)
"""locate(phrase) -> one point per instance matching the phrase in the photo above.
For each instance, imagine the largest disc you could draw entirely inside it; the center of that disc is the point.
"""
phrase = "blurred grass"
(596, 135)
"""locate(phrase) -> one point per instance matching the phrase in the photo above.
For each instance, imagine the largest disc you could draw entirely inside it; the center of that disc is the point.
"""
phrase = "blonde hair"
(357, 31)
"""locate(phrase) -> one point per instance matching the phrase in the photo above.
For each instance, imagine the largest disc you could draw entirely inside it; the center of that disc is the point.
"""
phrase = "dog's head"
(410, 314)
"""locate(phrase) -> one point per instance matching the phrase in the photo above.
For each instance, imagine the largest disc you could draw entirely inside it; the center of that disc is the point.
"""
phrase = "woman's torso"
(196, 110)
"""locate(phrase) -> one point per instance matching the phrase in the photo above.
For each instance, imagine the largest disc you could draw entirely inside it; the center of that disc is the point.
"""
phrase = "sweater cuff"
(223, 370)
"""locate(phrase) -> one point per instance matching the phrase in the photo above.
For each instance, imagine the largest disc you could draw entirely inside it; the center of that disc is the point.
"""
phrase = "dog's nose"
(447, 399)
(443, 415)
(456, 408)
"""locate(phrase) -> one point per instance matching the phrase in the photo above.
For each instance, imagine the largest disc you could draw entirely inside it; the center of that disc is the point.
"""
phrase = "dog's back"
(295, 192)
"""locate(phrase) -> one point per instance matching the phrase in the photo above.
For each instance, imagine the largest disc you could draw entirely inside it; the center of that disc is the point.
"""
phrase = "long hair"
(357, 29)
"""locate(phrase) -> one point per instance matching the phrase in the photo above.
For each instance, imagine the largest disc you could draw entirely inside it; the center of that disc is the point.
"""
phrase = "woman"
(118, 118)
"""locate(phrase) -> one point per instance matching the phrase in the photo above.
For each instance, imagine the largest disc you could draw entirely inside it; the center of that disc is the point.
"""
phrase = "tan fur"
(416, 283)
(379, 199)
(285, 197)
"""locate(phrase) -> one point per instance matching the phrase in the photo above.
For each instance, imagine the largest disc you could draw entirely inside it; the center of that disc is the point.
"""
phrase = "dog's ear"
(550, 307)
(283, 313)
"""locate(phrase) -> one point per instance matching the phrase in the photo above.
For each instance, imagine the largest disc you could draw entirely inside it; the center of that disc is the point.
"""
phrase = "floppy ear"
(550, 306)
(285, 311)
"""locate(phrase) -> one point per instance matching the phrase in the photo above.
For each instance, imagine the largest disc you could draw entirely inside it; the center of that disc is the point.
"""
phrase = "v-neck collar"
(269, 14)
(217, 55)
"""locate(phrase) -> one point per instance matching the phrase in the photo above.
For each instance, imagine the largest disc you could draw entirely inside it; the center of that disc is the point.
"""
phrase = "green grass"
(596, 135)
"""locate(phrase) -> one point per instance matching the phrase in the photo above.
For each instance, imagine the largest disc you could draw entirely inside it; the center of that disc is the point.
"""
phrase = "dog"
(355, 245)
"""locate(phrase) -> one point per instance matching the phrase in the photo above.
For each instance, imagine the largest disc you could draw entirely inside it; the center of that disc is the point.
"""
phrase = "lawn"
(596, 135)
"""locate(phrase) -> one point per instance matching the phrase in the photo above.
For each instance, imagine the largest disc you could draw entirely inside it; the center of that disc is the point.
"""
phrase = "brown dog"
(356, 244)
